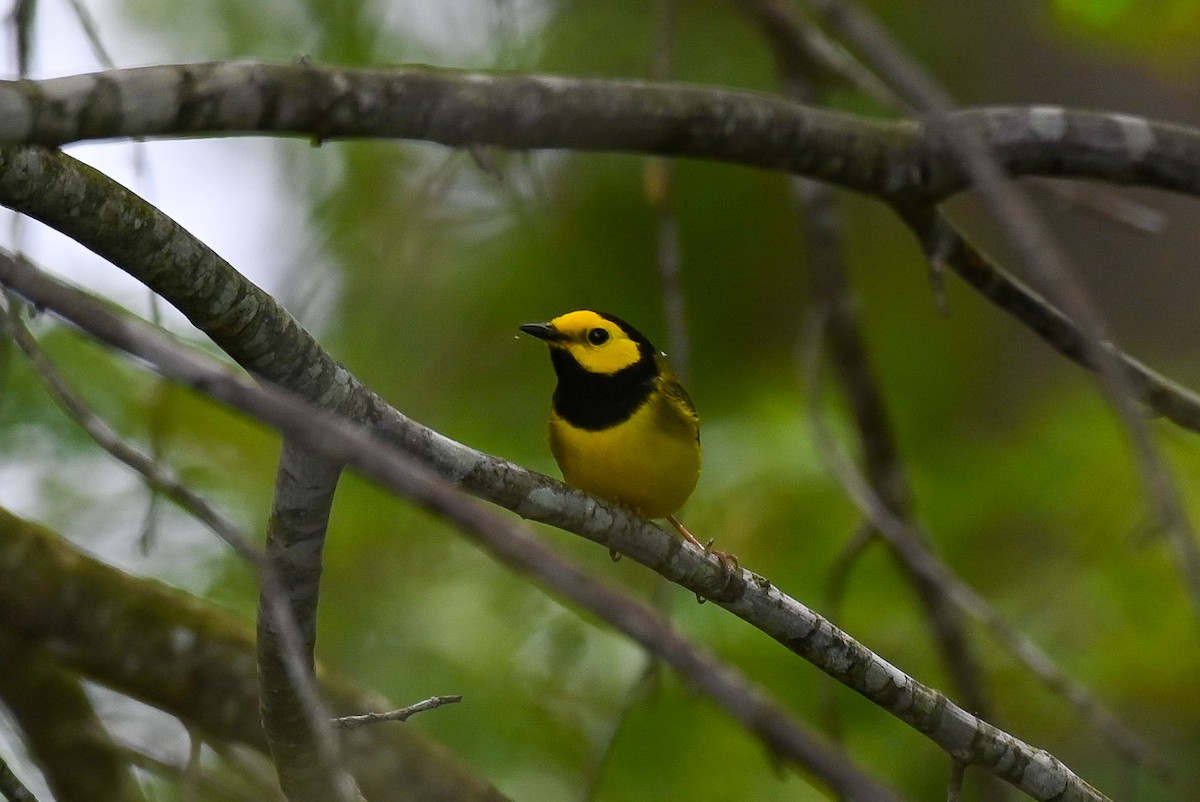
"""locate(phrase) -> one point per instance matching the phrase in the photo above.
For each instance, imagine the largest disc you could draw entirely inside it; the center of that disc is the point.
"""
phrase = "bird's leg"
(688, 536)
(728, 561)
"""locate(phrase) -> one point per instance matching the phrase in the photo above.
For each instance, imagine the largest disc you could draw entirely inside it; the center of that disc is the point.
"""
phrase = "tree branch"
(900, 160)
(193, 660)
(296, 723)
(400, 714)
(881, 491)
(751, 597)
(1035, 247)
(58, 723)
(293, 714)
(1037, 138)
(803, 62)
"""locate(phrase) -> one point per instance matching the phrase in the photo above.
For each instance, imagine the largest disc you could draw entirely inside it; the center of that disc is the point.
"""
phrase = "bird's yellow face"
(598, 344)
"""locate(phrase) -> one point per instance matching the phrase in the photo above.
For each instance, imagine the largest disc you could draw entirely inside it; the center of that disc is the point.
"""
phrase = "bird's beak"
(543, 331)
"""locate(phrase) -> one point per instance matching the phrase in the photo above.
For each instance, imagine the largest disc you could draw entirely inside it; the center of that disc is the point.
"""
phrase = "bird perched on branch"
(621, 426)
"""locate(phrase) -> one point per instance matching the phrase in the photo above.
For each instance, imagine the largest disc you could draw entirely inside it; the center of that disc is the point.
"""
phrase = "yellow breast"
(649, 462)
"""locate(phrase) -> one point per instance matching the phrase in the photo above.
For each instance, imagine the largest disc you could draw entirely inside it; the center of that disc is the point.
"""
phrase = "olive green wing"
(679, 403)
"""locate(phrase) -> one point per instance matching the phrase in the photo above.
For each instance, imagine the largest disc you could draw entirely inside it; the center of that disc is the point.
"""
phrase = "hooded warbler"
(621, 426)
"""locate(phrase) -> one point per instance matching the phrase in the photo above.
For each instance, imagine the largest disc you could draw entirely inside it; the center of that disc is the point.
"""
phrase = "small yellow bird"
(621, 426)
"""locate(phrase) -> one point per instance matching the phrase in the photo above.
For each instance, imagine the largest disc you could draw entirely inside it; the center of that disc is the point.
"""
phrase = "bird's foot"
(727, 560)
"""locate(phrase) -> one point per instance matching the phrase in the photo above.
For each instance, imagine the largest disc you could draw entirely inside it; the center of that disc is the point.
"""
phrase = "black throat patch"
(596, 401)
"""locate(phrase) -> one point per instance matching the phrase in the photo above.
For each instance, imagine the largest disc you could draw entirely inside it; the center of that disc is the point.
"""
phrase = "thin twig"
(154, 472)
(92, 32)
(401, 714)
(795, 39)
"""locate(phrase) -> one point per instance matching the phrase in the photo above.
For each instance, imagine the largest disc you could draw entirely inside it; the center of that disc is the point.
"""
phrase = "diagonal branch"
(337, 442)
(945, 245)
(880, 491)
(910, 546)
(1039, 251)
(964, 736)
(293, 713)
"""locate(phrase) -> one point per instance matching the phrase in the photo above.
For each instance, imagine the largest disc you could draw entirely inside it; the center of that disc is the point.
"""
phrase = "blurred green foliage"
(1161, 33)
(1020, 473)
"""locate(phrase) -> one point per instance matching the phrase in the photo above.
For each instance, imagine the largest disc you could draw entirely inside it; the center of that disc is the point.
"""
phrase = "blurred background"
(414, 266)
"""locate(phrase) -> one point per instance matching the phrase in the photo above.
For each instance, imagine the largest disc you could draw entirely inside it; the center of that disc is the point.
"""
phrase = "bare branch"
(287, 656)
(64, 194)
(904, 161)
(1034, 246)
(401, 714)
(306, 754)
(909, 546)
(751, 597)
(802, 64)
(193, 659)
(944, 243)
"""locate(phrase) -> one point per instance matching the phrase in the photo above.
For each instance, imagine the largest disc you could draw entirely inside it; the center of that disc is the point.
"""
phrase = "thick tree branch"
(68, 740)
(191, 659)
(338, 442)
(753, 598)
(1027, 133)
(900, 160)
(250, 326)
(246, 322)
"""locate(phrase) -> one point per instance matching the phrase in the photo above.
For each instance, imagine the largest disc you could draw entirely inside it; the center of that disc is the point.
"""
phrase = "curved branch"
(110, 220)
(262, 337)
(23, 174)
(250, 326)
(900, 160)
(753, 598)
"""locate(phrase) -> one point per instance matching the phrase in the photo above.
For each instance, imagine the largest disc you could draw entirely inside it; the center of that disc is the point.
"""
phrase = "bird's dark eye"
(597, 336)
